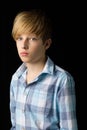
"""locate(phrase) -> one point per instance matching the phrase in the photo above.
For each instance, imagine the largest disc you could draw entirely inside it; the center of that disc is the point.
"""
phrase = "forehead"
(28, 35)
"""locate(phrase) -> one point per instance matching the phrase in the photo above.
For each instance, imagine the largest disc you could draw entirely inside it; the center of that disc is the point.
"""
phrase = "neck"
(36, 67)
(34, 70)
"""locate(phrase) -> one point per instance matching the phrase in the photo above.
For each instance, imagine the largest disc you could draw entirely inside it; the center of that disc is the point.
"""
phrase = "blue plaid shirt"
(47, 103)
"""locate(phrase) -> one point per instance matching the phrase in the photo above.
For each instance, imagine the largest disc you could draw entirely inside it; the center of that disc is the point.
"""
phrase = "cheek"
(39, 49)
(18, 48)
(35, 48)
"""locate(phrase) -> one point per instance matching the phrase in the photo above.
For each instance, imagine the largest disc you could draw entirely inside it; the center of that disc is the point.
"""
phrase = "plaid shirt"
(47, 103)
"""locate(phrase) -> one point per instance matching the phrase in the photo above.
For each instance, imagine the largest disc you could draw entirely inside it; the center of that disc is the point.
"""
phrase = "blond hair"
(34, 21)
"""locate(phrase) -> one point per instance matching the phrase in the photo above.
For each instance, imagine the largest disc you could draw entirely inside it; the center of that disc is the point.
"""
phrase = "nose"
(25, 44)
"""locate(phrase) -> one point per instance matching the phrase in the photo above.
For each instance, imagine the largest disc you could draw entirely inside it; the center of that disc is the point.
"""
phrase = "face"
(30, 48)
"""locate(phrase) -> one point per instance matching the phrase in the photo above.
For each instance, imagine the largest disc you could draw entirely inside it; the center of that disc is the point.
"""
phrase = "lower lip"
(24, 54)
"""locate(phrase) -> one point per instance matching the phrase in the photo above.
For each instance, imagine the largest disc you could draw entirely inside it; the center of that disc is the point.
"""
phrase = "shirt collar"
(48, 68)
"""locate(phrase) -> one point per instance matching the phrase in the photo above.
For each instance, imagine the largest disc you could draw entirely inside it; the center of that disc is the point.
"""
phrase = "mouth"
(23, 53)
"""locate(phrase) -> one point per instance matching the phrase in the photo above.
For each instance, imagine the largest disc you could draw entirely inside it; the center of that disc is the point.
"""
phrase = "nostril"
(24, 47)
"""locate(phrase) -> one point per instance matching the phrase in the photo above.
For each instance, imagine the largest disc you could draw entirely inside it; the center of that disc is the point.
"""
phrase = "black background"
(66, 51)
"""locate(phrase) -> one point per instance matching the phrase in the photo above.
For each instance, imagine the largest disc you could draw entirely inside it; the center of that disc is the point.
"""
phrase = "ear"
(48, 43)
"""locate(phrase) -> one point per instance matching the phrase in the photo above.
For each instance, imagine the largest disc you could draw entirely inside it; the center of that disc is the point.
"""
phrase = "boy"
(42, 95)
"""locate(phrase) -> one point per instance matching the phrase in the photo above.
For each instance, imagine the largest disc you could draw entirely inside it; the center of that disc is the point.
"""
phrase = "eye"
(33, 39)
(19, 38)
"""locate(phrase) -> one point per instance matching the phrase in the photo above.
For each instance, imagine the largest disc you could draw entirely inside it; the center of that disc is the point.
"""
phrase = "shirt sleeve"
(12, 107)
(67, 104)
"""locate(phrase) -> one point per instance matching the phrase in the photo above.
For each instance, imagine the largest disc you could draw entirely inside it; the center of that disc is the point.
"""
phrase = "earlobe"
(48, 43)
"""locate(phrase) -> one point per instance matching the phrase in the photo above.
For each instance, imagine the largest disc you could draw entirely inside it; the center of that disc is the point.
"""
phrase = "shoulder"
(21, 69)
(58, 72)
(63, 74)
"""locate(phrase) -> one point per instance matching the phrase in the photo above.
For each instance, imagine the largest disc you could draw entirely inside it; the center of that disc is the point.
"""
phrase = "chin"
(24, 60)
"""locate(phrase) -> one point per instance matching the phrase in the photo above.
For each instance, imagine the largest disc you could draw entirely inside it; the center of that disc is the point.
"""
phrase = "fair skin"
(32, 53)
